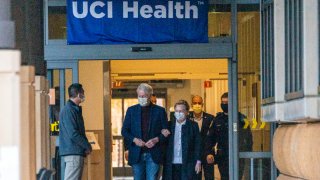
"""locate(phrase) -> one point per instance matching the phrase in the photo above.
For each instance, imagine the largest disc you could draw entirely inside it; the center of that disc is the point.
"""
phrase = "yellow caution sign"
(246, 123)
(263, 124)
(254, 123)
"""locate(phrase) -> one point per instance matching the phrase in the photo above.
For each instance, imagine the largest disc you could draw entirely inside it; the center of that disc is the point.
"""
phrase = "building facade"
(290, 81)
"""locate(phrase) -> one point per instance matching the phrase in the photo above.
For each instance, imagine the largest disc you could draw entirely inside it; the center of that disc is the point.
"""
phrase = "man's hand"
(197, 168)
(210, 159)
(139, 142)
(152, 142)
(165, 132)
(126, 155)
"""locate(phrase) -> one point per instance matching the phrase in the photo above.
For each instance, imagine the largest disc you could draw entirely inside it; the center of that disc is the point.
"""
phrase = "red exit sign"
(207, 84)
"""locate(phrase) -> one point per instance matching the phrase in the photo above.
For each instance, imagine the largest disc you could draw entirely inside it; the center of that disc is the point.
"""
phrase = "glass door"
(60, 78)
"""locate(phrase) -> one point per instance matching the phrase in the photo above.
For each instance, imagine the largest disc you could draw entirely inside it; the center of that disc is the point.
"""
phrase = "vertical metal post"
(107, 119)
(230, 119)
(233, 96)
(251, 169)
(62, 87)
(45, 22)
(75, 72)
(50, 79)
(7, 30)
(273, 166)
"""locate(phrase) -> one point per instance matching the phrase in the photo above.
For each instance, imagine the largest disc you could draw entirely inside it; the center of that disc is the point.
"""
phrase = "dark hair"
(182, 102)
(224, 95)
(74, 90)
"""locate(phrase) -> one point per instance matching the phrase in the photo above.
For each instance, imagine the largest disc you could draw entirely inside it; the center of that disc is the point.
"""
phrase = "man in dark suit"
(142, 133)
(204, 120)
(183, 149)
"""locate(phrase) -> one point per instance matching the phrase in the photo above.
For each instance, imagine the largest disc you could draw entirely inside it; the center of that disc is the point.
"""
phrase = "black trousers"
(224, 168)
(208, 170)
(176, 171)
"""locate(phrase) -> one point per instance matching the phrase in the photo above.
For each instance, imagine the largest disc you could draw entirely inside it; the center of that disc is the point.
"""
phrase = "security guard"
(218, 137)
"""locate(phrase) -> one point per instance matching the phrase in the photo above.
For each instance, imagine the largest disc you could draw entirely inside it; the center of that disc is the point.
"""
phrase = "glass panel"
(129, 102)
(261, 169)
(219, 20)
(117, 152)
(254, 135)
(116, 116)
(55, 109)
(118, 110)
(57, 22)
(249, 83)
(161, 102)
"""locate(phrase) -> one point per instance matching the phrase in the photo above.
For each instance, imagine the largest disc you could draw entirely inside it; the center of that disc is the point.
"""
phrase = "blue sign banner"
(137, 21)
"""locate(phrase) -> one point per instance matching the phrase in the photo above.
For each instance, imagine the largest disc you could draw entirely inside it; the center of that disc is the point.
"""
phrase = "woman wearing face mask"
(183, 149)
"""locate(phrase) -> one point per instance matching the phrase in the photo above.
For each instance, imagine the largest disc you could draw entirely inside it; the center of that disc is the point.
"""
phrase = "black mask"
(224, 108)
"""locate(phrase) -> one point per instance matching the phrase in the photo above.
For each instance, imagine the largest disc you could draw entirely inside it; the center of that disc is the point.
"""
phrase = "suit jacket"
(191, 149)
(132, 129)
(207, 120)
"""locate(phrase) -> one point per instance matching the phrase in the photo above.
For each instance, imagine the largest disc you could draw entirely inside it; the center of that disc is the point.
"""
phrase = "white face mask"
(143, 101)
(179, 115)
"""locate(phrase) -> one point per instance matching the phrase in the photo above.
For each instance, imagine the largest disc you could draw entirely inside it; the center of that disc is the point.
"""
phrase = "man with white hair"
(142, 133)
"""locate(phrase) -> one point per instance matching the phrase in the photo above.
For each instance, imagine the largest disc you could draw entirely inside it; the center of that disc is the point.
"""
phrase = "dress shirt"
(198, 120)
(177, 150)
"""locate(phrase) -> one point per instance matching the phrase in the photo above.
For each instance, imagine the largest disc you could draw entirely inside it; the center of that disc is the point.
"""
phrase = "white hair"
(146, 88)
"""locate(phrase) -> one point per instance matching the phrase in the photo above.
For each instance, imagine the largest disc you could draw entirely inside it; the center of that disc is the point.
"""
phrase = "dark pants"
(224, 168)
(176, 171)
(208, 171)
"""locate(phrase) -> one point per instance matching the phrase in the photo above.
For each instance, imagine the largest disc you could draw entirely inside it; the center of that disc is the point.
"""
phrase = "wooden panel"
(27, 137)
(42, 123)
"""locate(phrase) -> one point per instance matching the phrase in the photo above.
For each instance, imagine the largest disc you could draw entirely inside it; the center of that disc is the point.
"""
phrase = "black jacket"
(206, 122)
(191, 150)
(218, 135)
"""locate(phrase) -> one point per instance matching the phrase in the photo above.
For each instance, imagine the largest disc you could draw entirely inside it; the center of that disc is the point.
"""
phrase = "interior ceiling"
(126, 70)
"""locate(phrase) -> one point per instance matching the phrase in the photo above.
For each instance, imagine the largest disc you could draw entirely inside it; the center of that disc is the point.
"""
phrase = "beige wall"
(91, 77)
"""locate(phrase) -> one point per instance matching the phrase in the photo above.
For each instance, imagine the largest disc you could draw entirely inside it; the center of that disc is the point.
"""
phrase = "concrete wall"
(295, 147)
(10, 115)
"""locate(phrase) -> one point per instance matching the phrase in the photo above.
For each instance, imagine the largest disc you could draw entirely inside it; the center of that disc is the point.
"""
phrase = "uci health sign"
(137, 21)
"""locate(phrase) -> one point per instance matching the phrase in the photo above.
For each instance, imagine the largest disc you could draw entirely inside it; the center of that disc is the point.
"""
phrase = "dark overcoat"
(132, 129)
(191, 150)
